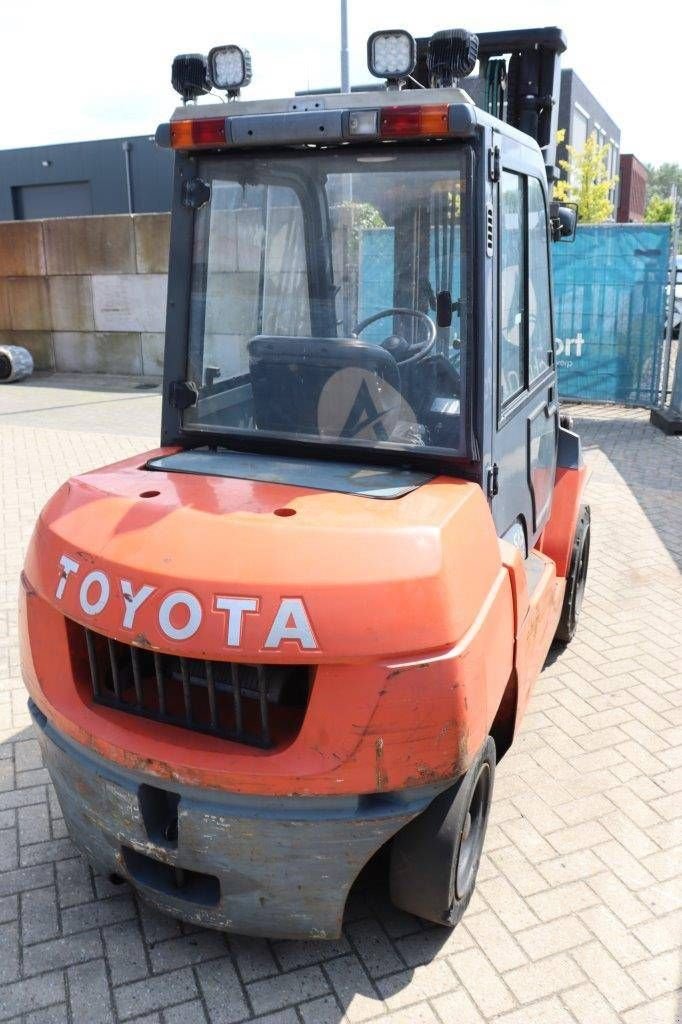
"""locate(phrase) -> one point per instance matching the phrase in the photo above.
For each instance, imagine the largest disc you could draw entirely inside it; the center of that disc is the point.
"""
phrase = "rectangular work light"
(391, 54)
(188, 75)
(229, 67)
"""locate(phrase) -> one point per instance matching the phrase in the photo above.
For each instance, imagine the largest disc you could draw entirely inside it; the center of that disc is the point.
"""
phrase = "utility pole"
(347, 179)
(670, 318)
(345, 72)
(667, 416)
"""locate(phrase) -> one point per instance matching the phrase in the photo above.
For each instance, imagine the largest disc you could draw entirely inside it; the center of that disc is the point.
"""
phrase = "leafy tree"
(363, 215)
(659, 211)
(662, 178)
(587, 183)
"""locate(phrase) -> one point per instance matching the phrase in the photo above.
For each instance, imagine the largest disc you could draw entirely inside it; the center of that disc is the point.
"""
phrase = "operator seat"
(289, 375)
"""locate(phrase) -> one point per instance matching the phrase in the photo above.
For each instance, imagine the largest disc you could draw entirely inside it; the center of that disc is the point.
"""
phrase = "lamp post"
(347, 181)
(668, 415)
(345, 72)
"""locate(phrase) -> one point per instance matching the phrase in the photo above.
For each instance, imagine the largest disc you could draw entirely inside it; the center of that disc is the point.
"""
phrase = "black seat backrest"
(289, 374)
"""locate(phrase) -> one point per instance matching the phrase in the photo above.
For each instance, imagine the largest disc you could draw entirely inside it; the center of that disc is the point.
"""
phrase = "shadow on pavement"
(88, 382)
(649, 463)
(90, 403)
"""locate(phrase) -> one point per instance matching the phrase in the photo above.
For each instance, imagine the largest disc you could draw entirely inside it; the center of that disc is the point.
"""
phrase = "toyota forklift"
(306, 628)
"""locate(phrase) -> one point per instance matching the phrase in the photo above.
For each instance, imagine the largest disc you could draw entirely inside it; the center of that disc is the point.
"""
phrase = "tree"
(587, 183)
(659, 211)
(364, 215)
(662, 178)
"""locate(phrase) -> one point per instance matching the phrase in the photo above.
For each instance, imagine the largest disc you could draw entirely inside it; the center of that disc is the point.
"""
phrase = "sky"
(74, 70)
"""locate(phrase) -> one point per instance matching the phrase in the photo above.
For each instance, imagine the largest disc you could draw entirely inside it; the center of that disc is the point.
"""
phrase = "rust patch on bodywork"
(424, 775)
(462, 762)
(381, 776)
(28, 588)
(407, 668)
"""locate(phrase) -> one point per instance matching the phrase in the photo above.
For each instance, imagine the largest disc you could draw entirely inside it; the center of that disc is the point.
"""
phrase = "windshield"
(329, 297)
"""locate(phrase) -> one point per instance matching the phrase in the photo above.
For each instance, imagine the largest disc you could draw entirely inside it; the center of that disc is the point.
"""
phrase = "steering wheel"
(423, 350)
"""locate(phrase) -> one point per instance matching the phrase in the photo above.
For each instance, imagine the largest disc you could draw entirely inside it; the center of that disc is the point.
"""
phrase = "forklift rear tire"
(434, 859)
(577, 578)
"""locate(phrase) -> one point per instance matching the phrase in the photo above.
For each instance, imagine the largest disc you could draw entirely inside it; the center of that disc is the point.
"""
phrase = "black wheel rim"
(473, 833)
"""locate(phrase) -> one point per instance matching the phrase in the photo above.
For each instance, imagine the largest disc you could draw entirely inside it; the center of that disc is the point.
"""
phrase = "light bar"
(229, 67)
(406, 121)
(411, 122)
(200, 133)
(391, 54)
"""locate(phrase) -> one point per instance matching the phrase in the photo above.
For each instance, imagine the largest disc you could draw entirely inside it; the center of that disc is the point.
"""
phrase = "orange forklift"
(307, 627)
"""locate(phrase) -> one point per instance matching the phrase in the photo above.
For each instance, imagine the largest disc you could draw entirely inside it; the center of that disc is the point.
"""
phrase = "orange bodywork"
(556, 540)
(535, 621)
(420, 620)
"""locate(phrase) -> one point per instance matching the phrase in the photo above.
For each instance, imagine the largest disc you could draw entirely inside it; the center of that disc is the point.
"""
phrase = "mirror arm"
(554, 221)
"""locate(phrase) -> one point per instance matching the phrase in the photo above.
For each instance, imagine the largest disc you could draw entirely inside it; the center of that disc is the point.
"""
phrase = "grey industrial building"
(71, 179)
(580, 115)
(134, 176)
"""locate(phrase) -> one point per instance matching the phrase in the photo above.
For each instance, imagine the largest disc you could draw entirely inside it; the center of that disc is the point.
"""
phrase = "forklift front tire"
(577, 578)
(434, 859)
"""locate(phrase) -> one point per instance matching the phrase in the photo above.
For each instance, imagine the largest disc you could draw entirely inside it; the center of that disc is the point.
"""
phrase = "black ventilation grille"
(258, 705)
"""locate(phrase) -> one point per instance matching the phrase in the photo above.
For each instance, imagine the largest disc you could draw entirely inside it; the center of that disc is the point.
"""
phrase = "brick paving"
(578, 912)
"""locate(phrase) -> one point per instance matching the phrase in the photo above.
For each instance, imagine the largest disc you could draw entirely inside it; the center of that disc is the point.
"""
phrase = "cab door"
(525, 431)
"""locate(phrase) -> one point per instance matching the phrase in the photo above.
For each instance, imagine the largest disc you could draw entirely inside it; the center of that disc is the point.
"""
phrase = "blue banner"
(609, 312)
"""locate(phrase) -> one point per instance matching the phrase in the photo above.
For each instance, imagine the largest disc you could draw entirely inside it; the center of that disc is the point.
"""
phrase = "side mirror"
(563, 221)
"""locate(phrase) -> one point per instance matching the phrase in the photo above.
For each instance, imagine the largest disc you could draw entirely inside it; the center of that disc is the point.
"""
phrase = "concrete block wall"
(235, 309)
(86, 294)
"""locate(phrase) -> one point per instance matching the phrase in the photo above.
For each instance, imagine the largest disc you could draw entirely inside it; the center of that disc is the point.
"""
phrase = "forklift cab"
(370, 284)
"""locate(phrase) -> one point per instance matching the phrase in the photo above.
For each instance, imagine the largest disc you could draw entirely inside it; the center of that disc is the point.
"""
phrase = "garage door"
(61, 199)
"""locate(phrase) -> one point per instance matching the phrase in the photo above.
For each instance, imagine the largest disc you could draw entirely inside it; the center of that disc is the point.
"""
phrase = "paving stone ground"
(578, 912)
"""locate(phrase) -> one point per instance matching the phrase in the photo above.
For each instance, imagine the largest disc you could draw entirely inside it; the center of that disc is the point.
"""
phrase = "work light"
(229, 68)
(188, 76)
(450, 55)
(391, 54)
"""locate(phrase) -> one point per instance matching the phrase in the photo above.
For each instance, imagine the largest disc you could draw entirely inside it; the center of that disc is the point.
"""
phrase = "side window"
(511, 330)
(539, 314)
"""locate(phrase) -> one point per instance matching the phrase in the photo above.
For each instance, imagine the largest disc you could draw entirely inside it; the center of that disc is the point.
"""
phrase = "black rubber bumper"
(269, 866)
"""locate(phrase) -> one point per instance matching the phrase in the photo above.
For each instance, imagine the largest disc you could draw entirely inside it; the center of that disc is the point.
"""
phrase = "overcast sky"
(87, 69)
